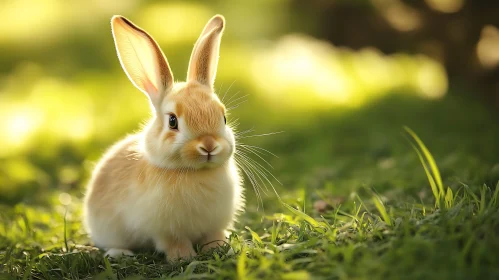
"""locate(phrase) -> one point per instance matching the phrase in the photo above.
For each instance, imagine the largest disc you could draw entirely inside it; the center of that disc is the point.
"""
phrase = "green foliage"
(350, 246)
(379, 224)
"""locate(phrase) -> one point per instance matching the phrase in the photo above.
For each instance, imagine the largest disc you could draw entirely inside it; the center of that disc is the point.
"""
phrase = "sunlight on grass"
(52, 108)
(42, 17)
(307, 73)
(50, 111)
(35, 24)
(18, 124)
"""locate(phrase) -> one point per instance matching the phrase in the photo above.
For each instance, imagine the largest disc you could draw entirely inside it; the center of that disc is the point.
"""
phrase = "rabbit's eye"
(225, 120)
(172, 122)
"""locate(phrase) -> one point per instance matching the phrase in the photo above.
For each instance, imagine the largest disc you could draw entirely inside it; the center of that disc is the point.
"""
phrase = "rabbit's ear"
(142, 59)
(204, 57)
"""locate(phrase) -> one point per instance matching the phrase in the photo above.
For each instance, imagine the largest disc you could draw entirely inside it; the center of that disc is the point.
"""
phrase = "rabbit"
(175, 184)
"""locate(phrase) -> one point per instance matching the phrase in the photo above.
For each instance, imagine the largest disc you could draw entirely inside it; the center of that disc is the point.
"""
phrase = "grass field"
(356, 202)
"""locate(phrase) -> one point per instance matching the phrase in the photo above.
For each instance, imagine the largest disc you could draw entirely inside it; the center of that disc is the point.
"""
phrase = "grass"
(389, 211)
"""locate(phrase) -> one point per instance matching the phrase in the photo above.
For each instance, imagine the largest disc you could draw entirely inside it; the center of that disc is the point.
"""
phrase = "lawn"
(354, 200)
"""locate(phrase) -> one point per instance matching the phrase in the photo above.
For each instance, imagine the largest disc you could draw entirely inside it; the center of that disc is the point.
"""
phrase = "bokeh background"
(339, 77)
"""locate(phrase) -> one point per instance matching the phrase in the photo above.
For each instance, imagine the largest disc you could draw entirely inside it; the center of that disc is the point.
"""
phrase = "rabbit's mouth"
(212, 155)
(205, 152)
(211, 161)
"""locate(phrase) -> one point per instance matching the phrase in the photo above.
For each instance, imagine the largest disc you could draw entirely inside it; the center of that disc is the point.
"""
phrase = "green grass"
(393, 212)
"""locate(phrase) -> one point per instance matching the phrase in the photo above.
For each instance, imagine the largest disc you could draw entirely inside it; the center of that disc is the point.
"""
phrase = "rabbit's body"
(142, 202)
(175, 183)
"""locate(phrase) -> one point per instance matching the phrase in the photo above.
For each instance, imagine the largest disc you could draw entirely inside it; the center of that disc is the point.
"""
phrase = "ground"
(355, 203)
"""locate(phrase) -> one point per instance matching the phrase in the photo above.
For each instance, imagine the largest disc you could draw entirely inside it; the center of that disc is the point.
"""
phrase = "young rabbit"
(175, 183)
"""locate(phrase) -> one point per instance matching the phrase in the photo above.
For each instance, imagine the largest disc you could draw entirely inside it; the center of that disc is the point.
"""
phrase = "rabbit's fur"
(169, 186)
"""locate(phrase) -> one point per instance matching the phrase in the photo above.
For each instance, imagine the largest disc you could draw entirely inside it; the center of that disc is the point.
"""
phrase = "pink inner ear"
(151, 90)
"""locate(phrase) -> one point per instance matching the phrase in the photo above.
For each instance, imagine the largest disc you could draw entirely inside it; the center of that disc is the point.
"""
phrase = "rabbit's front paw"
(180, 252)
(213, 240)
(117, 253)
(176, 248)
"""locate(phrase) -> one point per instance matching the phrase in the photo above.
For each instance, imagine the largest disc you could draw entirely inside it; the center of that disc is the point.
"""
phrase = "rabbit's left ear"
(204, 57)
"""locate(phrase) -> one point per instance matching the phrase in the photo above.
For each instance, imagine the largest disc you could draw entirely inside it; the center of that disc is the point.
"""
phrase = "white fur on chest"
(187, 205)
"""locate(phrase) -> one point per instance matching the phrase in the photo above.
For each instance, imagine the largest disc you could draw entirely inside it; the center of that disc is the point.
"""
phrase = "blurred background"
(339, 77)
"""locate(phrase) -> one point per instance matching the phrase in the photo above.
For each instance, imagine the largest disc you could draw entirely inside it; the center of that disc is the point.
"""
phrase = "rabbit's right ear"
(142, 59)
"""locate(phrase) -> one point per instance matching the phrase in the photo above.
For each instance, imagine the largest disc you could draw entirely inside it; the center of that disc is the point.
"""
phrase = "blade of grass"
(471, 194)
(493, 201)
(433, 185)
(241, 264)
(65, 231)
(429, 158)
(483, 192)
(302, 215)
(449, 198)
(382, 210)
(255, 236)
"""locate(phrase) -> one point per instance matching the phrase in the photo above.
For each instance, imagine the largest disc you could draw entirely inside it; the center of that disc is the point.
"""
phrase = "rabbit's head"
(189, 127)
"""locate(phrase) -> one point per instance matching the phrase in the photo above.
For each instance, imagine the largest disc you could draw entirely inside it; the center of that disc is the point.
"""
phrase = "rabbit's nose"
(206, 150)
(210, 151)
(208, 146)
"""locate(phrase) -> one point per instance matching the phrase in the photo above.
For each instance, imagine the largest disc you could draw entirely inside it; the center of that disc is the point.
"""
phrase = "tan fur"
(164, 188)
(169, 136)
(179, 109)
(201, 108)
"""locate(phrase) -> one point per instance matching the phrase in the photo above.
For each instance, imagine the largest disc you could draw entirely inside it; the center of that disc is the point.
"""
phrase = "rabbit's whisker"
(232, 102)
(232, 97)
(257, 149)
(227, 90)
(232, 107)
(262, 171)
(260, 135)
(252, 180)
(256, 153)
